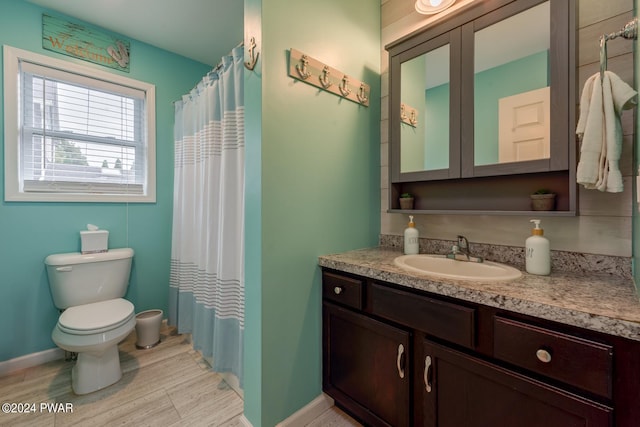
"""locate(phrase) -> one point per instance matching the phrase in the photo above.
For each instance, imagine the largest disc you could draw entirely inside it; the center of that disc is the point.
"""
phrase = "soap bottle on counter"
(411, 246)
(537, 253)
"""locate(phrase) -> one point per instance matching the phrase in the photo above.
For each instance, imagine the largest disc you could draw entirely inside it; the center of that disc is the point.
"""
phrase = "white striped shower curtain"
(207, 252)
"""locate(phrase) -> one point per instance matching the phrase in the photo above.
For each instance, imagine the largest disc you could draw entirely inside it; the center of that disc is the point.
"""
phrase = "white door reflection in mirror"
(524, 126)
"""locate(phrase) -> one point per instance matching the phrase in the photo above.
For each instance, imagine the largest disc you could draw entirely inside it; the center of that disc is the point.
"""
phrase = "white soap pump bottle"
(537, 253)
(411, 246)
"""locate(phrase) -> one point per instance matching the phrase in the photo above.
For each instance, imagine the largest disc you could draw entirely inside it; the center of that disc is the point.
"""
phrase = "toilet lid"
(96, 317)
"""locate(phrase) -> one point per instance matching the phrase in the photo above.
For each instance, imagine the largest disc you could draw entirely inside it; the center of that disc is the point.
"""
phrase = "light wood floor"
(169, 385)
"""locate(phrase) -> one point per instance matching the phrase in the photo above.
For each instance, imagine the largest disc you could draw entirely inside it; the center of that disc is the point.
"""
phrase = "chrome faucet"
(462, 252)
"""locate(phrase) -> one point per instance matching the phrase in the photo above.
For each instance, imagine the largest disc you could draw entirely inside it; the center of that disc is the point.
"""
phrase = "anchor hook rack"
(325, 77)
(408, 115)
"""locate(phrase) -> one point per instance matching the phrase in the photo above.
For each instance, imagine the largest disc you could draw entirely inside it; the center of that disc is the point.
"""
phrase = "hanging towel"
(600, 131)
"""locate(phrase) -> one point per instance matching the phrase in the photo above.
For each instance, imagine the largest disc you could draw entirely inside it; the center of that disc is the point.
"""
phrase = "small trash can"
(148, 328)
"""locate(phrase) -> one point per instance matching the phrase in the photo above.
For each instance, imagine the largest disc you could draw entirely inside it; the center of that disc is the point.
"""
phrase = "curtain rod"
(217, 67)
(220, 63)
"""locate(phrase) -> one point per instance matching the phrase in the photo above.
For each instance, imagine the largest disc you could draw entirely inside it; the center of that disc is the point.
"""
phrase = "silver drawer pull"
(337, 290)
(427, 373)
(543, 355)
(400, 361)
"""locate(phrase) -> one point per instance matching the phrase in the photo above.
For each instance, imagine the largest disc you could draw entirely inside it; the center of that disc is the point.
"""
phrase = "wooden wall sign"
(85, 43)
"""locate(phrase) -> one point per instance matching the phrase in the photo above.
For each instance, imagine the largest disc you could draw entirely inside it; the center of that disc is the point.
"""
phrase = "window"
(75, 133)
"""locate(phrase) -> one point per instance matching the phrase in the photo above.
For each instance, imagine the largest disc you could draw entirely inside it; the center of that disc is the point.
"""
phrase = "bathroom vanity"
(403, 349)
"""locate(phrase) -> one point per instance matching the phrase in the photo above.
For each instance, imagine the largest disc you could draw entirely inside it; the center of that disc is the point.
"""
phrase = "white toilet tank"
(77, 279)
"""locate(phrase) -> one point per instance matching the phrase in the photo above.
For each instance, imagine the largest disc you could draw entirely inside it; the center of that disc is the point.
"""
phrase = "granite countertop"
(601, 303)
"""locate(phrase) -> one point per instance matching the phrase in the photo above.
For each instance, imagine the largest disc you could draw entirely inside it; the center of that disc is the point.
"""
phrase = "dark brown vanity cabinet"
(461, 390)
(395, 356)
(367, 367)
(366, 362)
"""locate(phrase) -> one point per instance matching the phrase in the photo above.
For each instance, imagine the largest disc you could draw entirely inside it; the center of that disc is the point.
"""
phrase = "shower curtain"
(207, 251)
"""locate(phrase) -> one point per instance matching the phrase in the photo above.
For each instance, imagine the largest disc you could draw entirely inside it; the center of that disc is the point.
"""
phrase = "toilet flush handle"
(65, 268)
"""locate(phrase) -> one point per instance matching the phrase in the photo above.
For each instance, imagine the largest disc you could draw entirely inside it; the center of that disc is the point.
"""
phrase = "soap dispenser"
(538, 256)
(411, 246)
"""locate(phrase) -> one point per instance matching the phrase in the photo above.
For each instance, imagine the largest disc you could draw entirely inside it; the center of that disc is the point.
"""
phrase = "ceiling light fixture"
(429, 7)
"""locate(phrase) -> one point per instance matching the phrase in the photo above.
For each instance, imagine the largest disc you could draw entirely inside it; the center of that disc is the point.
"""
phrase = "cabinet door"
(460, 390)
(366, 366)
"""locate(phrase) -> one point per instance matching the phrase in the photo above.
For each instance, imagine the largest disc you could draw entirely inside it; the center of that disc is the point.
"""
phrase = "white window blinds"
(80, 134)
(76, 133)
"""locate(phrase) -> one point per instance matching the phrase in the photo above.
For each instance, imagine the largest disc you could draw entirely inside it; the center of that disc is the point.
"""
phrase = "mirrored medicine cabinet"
(482, 109)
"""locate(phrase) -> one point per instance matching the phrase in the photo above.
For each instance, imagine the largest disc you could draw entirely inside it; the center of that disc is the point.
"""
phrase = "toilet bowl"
(94, 331)
(89, 288)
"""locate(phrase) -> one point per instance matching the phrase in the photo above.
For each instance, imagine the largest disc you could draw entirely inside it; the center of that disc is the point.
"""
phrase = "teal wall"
(253, 404)
(412, 148)
(31, 231)
(436, 133)
(495, 83)
(314, 171)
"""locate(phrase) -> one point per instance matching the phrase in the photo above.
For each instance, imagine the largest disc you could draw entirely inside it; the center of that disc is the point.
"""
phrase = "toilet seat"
(97, 317)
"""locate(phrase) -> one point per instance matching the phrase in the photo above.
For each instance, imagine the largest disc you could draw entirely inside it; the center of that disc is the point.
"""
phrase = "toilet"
(90, 289)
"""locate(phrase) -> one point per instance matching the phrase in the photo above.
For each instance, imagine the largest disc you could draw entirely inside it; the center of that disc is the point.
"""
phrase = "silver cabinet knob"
(543, 355)
(337, 290)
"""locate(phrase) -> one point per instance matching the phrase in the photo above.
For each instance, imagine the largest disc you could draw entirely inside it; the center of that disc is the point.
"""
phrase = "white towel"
(600, 131)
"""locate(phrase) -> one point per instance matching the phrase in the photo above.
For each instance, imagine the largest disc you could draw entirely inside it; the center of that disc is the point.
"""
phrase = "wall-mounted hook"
(302, 68)
(253, 55)
(344, 86)
(362, 94)
(324, 77)
(413, 119)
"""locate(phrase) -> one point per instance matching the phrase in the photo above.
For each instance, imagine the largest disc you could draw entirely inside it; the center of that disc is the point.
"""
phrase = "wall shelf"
(477, 212)
(487, 195)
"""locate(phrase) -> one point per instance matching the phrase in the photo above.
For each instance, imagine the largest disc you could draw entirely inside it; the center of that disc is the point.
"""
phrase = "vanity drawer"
(451, 322)
(576, 361)
(342, 289)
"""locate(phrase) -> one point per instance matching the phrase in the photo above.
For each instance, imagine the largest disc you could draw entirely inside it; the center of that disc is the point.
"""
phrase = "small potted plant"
(406, 201)
(543, 200)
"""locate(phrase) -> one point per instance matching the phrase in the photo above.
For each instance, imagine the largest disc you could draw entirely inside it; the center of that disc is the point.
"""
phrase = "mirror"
(512, 88)
(483, 94)
(480, 90)
(425, 96)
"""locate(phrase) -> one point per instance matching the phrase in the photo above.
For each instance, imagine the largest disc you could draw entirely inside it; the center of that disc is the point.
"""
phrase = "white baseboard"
(233, 382)
(244, 421)
(30, 360)
(308, 413)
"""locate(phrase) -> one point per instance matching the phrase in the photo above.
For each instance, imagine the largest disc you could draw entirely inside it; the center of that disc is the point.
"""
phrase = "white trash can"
(148, 328)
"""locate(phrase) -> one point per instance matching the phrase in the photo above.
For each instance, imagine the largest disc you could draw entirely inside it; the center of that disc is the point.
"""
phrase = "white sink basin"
(441, 266)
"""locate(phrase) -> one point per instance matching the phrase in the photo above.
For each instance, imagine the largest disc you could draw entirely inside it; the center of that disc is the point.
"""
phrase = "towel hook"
(301, 68)
(253, 55)
(344, 86)
(629, 32)
(324, 77)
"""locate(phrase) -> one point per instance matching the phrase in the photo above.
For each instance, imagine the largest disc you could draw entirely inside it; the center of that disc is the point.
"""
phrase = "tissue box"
(92, 242)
